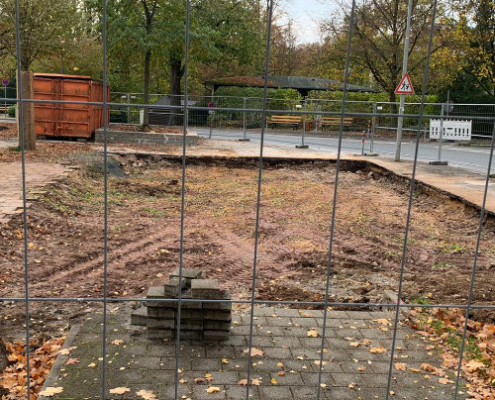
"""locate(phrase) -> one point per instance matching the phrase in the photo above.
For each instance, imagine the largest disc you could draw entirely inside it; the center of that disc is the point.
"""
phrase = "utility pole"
(405, 62)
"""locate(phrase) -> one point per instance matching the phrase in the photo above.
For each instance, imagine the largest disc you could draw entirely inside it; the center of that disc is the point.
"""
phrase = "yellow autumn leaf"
(445, 381)
(92, 365)
(213, 389)
(279, 364)
(117, 342)
(378, 350)
(225, 361)
(273, 381)
(313, 333)
(355, 344)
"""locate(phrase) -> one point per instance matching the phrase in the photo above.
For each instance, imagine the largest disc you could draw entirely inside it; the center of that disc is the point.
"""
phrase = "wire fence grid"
(320, 120)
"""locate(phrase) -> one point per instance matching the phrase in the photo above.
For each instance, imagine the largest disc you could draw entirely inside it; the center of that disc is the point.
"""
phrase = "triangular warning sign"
(405, 85)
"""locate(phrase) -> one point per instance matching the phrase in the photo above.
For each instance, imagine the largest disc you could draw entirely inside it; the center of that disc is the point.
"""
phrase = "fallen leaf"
(254, 352)
(209, 377)
(183, 380)
(474, 365)
(213, 389)
(198, 380)
(117, 342)
(400, 366)
(72, 361)
(146, 394)
(355, 344)
(51, 391)
(313, 333)
(427, 367)
(273, 381)
(92, 365)
(281, 373)
(378, 350)
(119, 390)
(445, 381)
(383, 321)
(225, 361)
(279, 364)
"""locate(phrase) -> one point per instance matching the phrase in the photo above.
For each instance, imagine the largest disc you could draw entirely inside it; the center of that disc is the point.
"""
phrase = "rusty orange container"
(68, 120)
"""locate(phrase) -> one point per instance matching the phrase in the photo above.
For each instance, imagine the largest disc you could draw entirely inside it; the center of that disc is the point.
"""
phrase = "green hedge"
(11, 111)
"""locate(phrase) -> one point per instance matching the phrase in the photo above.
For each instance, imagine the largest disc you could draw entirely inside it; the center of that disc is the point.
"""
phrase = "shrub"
(11, 111)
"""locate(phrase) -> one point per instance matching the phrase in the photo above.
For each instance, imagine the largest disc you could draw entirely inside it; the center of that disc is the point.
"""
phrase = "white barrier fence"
(452, 129)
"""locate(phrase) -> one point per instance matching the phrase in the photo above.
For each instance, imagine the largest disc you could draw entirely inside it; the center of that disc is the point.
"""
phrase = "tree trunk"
(176, 73)
(146, 99)
(29, 132)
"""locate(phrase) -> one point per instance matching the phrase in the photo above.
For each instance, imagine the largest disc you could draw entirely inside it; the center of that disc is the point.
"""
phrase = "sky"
(307, 15)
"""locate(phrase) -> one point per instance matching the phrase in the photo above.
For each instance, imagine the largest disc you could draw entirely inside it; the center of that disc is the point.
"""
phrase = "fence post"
(439, 161)
(244, 122)
(302, 145)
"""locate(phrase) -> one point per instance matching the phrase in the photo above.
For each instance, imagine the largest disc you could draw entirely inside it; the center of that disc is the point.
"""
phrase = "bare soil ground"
(66, 238)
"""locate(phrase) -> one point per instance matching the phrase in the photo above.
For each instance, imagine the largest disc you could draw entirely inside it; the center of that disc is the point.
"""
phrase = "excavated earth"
(66, 243)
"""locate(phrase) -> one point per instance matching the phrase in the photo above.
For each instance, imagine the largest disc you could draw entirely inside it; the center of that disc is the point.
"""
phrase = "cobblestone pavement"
(287, 369)
(37, 176)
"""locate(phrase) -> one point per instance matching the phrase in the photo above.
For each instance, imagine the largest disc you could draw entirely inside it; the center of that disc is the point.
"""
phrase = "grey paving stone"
(160, 334)
(305, 322)
(215, 335)
(160, 312)
(278, 353)
(311, 379)
(172, 287)
(223, 305)
(278, 321)
(139, 317)
(288, 379)
(221, 351)
(286, 312)
(217, 315)
(217, 325)
(187, 274)
(264, 311)
(155, 292)
(200, 393)
(239, 393)
(271, 331)
(276, 393)
(160, 323)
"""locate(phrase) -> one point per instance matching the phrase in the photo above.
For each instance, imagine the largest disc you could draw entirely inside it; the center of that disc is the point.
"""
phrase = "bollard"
(244, 123)
(363, 137)
(302, 145)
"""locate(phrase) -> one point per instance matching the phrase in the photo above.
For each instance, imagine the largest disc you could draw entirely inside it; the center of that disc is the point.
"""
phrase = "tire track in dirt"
(130, 250)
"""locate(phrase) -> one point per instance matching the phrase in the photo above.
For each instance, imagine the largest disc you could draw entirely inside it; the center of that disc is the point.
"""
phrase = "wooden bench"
(285, 120)
(334, 121)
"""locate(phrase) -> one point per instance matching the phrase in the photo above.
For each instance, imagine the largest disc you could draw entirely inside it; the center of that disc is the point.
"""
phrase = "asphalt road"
(471, 158)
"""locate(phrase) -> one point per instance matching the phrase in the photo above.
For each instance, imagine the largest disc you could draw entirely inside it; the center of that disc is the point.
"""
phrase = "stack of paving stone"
(199, 320)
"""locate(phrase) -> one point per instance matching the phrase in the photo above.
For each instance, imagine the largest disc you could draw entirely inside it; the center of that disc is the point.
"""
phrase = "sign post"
(405, 63)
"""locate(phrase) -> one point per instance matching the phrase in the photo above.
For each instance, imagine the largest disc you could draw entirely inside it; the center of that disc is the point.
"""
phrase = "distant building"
(302, 84)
